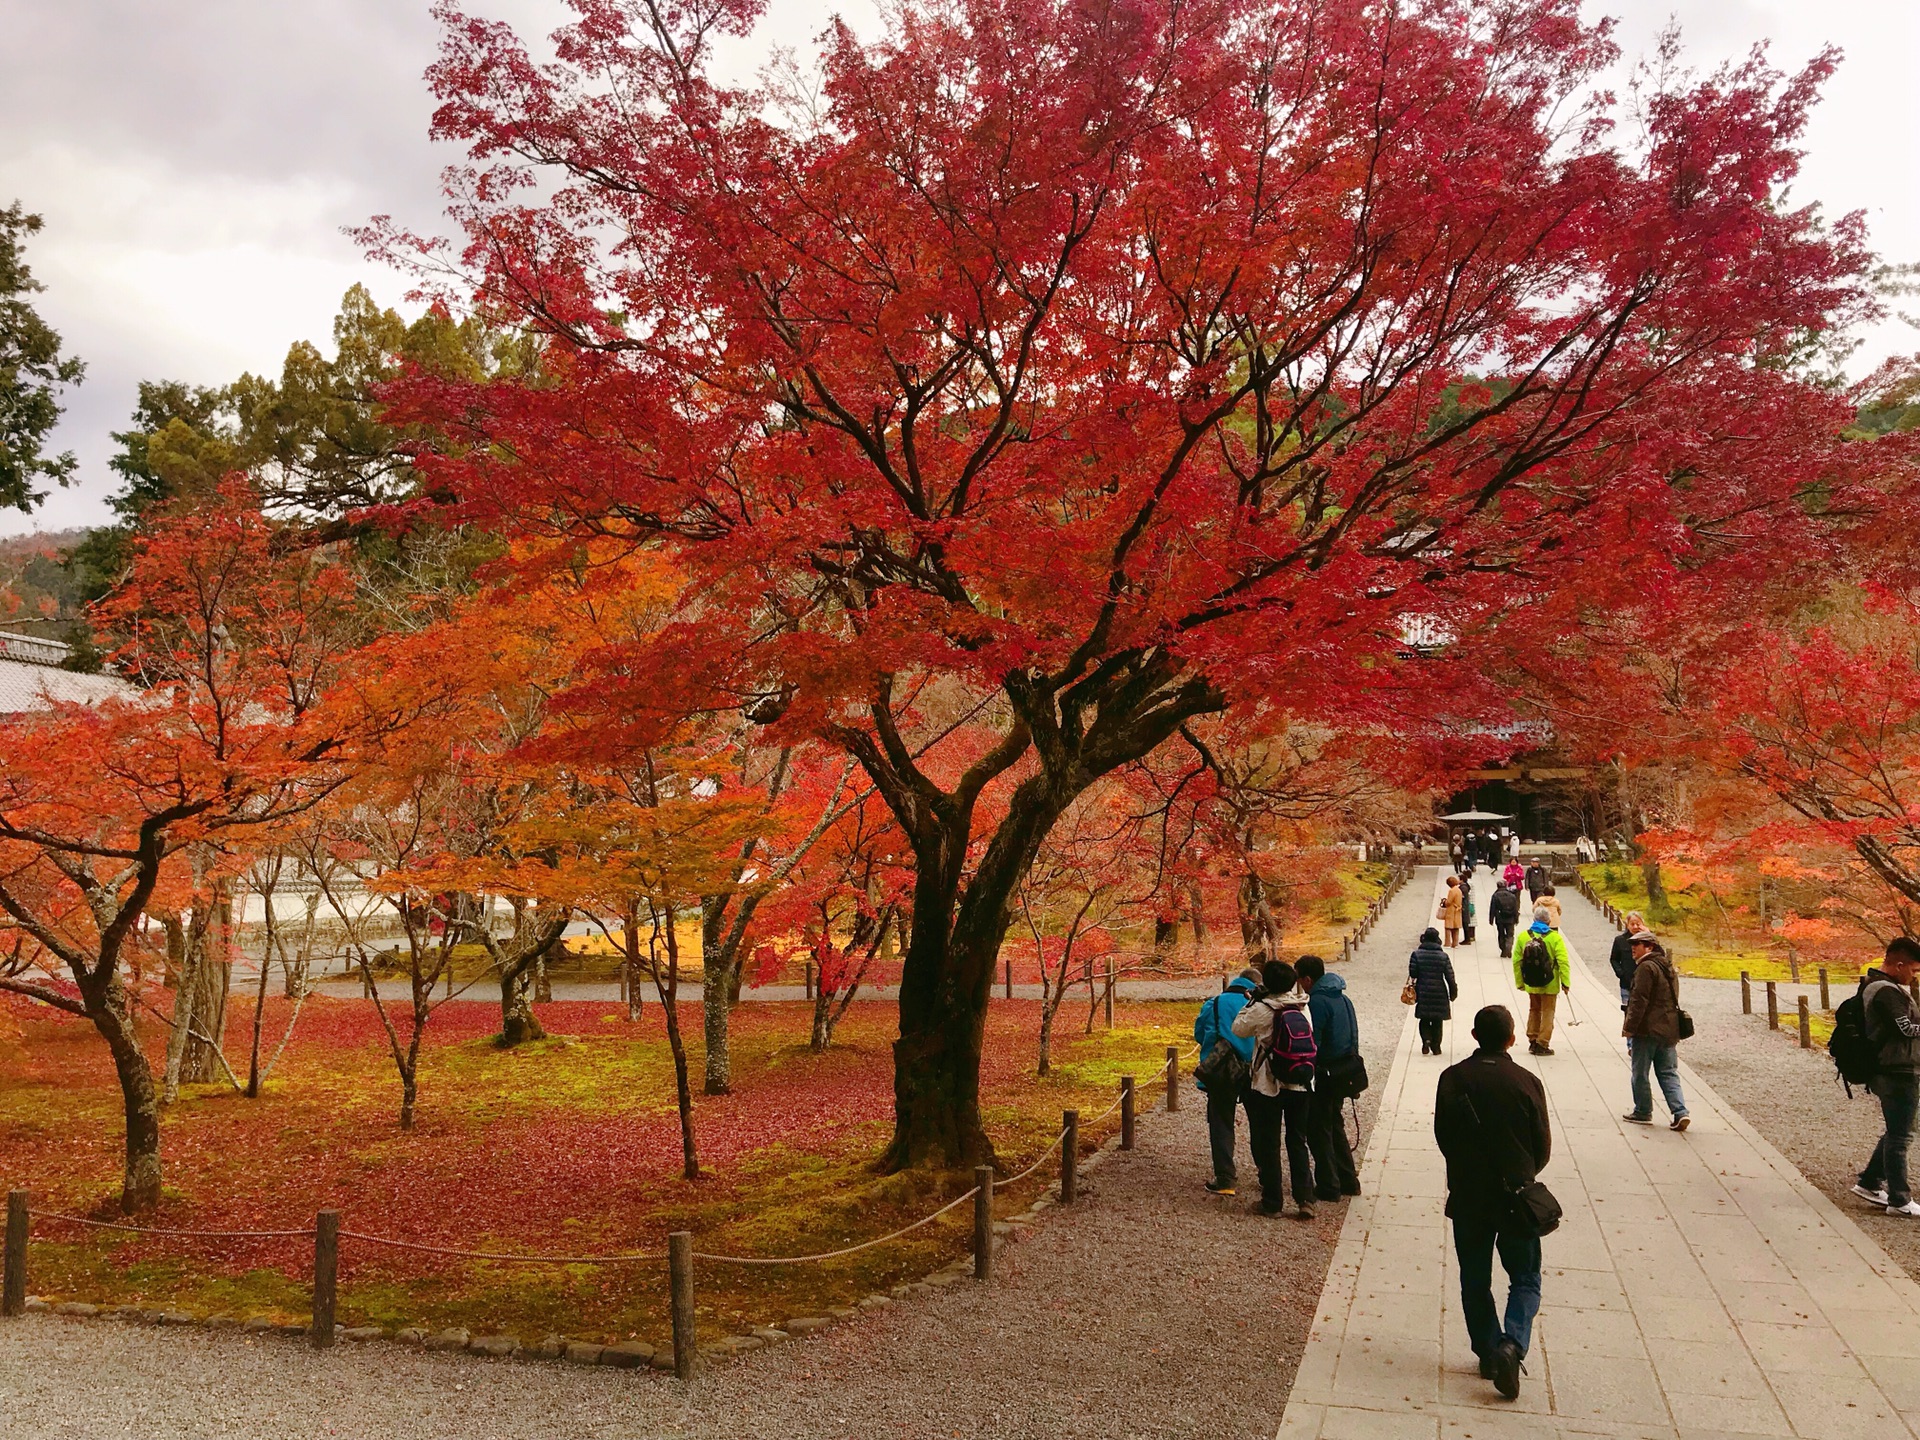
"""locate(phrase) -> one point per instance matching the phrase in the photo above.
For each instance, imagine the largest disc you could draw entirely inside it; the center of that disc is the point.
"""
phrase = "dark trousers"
(1430, 1034)
(1504, 929)
(1333, 1172)
(1899, 1096)
(1268, 1118)
(1222, 1105)
(1474, 1242)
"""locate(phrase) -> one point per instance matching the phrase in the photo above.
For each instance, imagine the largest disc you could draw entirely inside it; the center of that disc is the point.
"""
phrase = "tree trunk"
(206, 998)
(718, 991)
(1656, 883)
(140, 1183)
(822, 1021)
(1166, 931)
(521, 963)
(1199, 916)
(947, 981)
(1047, 1009)
(518, 1023)
(683, 1083)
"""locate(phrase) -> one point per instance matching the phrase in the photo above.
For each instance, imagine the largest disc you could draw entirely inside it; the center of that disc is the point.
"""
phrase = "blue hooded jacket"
(1336, 1028)
(1215, 1021)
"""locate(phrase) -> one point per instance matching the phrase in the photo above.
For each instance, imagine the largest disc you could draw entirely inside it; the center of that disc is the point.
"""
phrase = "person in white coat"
(1279, 1087)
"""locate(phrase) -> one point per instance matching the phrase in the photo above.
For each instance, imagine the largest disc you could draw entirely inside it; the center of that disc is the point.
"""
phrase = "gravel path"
(1787, 1094)
(1119, 1318)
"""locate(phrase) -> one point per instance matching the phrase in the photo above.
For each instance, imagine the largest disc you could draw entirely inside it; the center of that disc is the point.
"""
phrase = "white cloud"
(196, 160)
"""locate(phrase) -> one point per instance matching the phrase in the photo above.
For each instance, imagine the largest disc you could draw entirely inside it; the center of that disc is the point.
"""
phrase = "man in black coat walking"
(1490, 1119)
(1504, 910)
(1536, 882)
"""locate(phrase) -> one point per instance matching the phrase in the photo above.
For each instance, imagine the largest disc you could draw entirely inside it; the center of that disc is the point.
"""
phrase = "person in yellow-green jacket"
(1542, 968)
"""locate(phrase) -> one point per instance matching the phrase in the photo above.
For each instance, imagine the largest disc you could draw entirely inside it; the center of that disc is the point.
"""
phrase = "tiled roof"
(31, 677)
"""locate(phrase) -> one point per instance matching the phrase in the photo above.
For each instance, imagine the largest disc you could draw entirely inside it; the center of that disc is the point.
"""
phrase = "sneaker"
(1543, 1050)
(1260, 1207)
(1305, 1212)
(1872, 1197)
(1327, 1197)
(1680, 1123)
(1633, 1119)
(1350, 1190)
(1910, 1209)
(1505, 1363)
(1220, 1187)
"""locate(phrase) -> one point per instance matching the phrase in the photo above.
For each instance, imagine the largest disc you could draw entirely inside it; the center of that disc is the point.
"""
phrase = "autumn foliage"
(1068, 373)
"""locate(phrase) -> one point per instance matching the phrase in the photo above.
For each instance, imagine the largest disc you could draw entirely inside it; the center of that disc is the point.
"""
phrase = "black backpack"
(1536, 963)
(1855, 1056)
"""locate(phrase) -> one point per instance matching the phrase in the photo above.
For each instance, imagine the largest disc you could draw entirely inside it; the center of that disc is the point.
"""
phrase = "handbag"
(1344, 1077)
(1222, 1064)
(1409, 993)
(1534, 1209)
(1685, 1024)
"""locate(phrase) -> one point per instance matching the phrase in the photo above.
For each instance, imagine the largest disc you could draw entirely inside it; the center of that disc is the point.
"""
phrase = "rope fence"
(326, 1232)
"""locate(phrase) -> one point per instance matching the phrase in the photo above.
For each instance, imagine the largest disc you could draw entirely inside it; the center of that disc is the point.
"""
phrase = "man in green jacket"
(1542, 968)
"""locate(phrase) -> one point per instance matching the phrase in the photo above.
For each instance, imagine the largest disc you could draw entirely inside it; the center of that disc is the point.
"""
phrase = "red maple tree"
(1080, 370)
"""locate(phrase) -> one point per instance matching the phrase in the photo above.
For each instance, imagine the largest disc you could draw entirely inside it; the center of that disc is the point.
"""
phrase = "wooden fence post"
(13, 1294)
(1070, 1156)
(1109, 992)
(1746, 994)
(1825, 1003)
(807, 982)
(326, 1271)
(1806, 1026)
(1173, 1078)
(686, 1344)
(983, 1222)
(1126, 1112)
(1009, 977)
(1773, 1007)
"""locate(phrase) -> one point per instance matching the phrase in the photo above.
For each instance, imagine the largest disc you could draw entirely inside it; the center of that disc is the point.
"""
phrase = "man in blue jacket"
(1215, 1022)
(1336, 1031)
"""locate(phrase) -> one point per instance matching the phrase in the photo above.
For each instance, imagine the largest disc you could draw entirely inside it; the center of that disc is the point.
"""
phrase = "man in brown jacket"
(1653, 1025)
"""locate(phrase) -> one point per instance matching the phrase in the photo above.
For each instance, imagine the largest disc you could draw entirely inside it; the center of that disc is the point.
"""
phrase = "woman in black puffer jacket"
(1434, 989)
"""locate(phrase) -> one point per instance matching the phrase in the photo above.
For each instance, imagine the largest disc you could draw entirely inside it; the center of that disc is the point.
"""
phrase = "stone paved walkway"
(1698, 1287)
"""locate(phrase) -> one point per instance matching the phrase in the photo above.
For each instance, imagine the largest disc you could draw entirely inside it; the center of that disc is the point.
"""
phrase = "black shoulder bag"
(1531, 1206)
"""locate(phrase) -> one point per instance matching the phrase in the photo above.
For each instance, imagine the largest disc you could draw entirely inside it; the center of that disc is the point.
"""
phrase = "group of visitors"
(1294, 1030)
(1282, 1042)
(1481, 847)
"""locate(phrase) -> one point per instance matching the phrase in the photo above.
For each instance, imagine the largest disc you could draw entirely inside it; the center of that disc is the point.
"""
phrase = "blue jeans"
(1899, 1096)
(1664, 1061)
(1474, 1242)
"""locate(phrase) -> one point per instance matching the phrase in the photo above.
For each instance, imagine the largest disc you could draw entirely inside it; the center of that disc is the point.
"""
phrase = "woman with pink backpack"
(1279, 1087)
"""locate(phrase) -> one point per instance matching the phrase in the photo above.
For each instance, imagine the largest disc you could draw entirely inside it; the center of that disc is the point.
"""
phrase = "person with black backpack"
(1280, 1086)
(1536, 882)
(1504, 910)
(1542, 968)
(1890, 1022)
(1339, 1075)
(1221, 1074)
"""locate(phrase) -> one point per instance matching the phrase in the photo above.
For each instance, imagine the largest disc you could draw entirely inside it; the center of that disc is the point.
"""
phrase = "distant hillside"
(36, 594)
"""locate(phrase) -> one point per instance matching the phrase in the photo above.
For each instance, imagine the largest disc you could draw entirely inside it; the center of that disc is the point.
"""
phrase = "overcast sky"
(196, 159)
